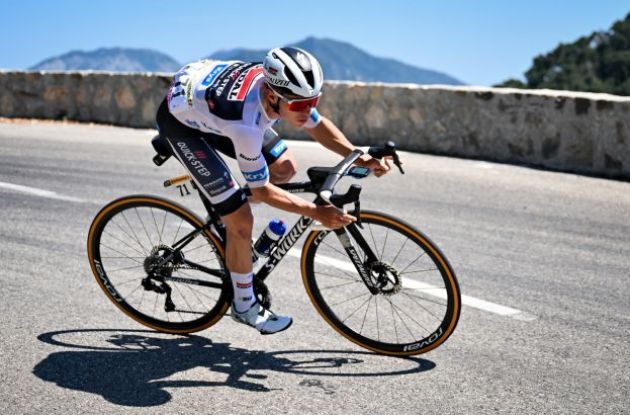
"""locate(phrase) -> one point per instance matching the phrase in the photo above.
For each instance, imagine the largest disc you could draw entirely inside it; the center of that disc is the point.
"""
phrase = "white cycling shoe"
(262, 319)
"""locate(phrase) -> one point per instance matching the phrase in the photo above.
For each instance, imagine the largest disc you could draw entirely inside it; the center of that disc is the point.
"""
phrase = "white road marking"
(39, 192)
(433, 291)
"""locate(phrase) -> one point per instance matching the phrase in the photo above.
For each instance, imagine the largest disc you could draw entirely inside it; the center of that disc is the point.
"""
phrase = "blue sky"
(480, 42)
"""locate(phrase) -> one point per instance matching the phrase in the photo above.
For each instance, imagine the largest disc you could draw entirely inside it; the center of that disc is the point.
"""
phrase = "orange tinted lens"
(303, 104)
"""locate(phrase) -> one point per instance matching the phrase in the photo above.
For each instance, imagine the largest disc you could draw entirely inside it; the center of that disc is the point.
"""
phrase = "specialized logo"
(288, 242)
(254, 176)
(277, 82)
(213, 74)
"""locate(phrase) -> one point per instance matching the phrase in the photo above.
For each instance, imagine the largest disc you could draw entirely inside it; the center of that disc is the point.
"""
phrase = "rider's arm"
(327, 134)
(247, 146)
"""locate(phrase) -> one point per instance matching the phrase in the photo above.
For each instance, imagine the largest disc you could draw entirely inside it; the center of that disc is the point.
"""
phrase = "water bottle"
(268, 239)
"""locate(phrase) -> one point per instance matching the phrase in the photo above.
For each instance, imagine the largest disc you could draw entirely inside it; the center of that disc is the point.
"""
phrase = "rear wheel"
(135, 258)
(415, 301)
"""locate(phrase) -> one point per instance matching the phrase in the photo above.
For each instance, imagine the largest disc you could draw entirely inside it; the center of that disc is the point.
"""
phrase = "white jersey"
(223, 97)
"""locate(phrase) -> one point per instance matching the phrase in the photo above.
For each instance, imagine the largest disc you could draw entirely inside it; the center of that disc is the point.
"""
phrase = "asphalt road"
(554, 248)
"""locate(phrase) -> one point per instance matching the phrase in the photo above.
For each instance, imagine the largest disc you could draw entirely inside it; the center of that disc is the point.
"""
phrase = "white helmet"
(293, 71)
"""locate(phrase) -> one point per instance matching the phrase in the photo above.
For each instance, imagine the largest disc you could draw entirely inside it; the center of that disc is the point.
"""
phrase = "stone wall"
(568, 131)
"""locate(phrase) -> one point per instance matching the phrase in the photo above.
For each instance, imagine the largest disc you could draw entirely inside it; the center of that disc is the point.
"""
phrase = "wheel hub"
(386, 278)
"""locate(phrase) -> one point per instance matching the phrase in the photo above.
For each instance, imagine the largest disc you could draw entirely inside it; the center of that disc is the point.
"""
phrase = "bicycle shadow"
(131, 369)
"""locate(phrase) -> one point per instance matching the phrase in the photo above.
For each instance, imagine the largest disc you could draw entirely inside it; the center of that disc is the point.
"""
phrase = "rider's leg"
(238, 259)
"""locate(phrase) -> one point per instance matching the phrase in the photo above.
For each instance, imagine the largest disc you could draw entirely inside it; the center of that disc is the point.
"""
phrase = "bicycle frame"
(284, 245)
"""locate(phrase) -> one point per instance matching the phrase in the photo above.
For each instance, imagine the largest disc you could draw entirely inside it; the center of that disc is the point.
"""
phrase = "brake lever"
(398, 163)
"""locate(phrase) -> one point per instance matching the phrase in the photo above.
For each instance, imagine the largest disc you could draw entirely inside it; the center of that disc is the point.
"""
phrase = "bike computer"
(358, 172)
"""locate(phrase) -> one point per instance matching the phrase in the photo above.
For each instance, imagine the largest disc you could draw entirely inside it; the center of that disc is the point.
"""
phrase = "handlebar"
(325, 192)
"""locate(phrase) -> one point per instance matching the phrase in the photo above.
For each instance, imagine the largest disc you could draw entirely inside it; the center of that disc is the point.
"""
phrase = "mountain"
(340, 61)
(112, 59)
(343, 61)
(599, 62)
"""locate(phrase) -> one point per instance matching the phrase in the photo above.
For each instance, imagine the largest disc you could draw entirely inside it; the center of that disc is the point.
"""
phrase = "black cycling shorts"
(196, 151)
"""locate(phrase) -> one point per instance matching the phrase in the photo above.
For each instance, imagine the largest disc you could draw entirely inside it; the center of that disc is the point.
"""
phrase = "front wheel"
(408, 300)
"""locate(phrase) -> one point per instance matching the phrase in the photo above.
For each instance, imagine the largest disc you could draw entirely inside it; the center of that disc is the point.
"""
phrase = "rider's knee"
(240, 223)
(283, 171)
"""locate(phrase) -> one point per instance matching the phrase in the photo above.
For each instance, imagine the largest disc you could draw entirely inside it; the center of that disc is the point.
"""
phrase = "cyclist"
(231, 106)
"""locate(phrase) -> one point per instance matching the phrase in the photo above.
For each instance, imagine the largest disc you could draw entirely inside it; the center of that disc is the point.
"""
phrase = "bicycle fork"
(349, 247)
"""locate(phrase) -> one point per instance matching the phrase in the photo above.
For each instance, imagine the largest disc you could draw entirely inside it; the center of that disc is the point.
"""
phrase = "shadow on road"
(131, 367)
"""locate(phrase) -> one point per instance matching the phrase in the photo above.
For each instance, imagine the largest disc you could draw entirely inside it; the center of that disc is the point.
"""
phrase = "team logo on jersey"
(243, 83)
(254, 176)
(213, 74)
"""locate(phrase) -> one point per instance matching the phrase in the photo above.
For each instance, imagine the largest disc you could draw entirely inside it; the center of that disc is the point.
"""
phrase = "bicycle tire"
(169, 215)
(439, 282)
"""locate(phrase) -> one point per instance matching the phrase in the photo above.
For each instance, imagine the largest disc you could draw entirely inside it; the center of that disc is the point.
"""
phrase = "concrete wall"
(568, 131)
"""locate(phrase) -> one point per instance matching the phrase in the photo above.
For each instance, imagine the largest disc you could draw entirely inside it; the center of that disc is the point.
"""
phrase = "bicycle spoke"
(134, 237)
(350, 299)
(178, 229)
(358, 308)
(163, 224)
(426, 309)
(120, 240)
(410, 318)
(121, 257)
(336, 276)
(378, 330)
(399, 251)
(394, 321)
(125, 268)
(157, 228)
(127, 281)
(144, 227)
(341, 253)
(413, 262)
(340, 285)
(327, 263)
(419, 270)
(134, 233)
(201, 246)
(176, 285)
(430, 300)
(365, 315)
(384, 244)
(401, 319)
(118, 252)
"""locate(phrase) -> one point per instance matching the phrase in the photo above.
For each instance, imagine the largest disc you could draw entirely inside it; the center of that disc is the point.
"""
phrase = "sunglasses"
(300, 104)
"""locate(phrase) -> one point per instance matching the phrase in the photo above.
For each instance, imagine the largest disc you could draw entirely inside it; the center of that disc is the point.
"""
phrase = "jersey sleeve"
(248, 148)
(313, 119)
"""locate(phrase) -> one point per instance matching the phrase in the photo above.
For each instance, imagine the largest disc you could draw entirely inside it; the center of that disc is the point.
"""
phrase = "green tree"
(599, 62)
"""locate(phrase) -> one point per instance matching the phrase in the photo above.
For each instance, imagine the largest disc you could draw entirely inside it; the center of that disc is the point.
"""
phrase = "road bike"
(379, 281)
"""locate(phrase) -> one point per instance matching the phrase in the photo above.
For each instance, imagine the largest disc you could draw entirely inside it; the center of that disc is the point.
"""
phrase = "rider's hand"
(378, 167)
(332, 217)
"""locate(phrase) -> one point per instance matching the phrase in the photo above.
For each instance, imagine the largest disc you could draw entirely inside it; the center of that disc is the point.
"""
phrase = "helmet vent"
(290, 76)
(310, 79)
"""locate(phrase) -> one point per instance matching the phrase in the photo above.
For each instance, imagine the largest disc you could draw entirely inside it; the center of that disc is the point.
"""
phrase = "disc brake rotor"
(387, 278)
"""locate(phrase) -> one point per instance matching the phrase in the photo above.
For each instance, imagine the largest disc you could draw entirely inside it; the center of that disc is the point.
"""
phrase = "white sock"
(243, 291)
